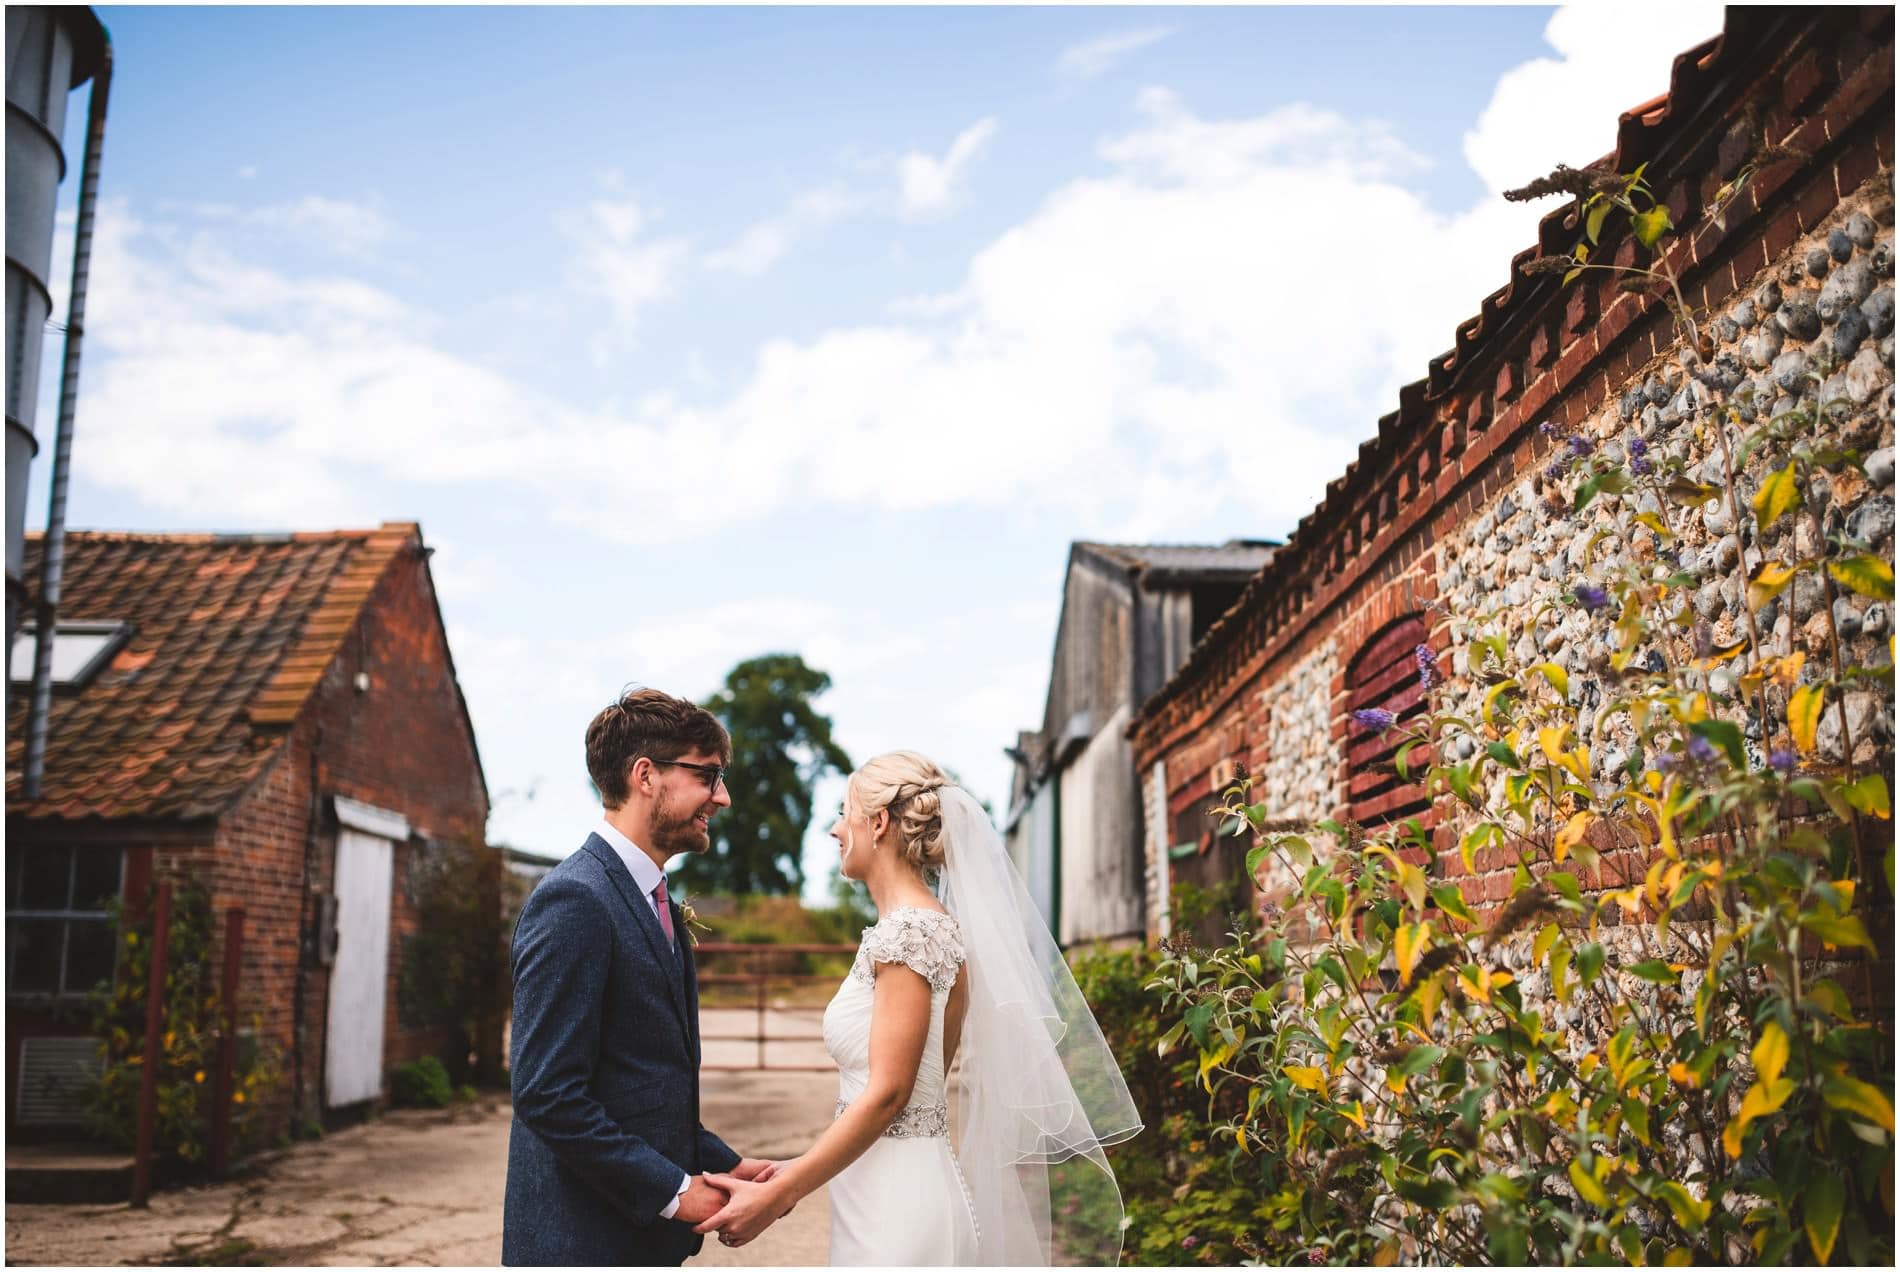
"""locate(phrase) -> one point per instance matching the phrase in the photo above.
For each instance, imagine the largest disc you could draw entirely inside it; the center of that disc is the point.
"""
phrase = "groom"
(606, 1155)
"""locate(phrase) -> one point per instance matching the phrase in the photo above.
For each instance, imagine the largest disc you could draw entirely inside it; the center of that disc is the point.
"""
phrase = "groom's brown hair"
(650, 723)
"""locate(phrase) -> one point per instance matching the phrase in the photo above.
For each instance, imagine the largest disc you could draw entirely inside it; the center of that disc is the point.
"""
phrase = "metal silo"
(50, 51)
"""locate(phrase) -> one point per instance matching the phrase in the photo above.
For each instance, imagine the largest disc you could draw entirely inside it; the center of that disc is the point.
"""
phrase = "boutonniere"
(693, 926)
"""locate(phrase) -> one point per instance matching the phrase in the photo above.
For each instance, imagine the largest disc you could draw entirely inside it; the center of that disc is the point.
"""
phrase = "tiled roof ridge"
(1696, 81)
(1228, 545)
(327, 625)
(264, 538)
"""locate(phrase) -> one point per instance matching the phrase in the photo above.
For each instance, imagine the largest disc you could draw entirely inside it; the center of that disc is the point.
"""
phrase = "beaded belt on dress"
(919, 1121)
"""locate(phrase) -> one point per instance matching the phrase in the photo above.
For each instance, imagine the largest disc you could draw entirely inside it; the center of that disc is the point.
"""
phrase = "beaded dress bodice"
(930, 944)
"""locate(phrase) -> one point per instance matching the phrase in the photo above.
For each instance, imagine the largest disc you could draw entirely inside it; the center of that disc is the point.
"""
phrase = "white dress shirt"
(646, 876)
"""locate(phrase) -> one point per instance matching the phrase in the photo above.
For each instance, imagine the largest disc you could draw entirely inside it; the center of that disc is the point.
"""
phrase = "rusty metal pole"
(154, 1020)
(226, 1076)
(758, 970)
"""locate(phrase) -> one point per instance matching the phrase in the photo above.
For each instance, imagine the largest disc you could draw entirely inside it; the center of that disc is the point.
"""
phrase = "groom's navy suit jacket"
(605, 1063)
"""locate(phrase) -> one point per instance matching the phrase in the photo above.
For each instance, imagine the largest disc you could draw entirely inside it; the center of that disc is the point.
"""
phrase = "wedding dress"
(1038, 1095)
(903, 1203)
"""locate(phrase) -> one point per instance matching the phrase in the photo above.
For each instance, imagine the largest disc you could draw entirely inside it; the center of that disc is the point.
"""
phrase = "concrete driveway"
(411, 1188)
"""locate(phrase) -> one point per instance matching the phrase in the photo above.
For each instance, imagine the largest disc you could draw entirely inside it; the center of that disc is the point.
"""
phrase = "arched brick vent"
(1384, 674)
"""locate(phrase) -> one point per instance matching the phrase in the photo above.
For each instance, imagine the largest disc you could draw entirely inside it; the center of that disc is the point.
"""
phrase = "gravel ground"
(412, 1188)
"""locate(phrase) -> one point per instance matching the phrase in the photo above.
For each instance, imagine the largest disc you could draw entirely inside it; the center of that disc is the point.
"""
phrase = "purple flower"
(1548, 428)
(1556, 470)
(1315, 1256)
(1375, 719)
(1781, 760)
(1591, 597)
(1638, 448)
(1667, 761)
(1639, 466)
(1700, 750)
(1579, 445)
(1190, 1241)
(1428, 672)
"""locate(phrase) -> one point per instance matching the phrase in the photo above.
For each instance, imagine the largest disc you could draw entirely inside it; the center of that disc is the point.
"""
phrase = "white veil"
(1039, 1093)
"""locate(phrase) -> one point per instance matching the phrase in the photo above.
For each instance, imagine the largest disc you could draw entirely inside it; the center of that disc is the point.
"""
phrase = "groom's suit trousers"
(605, 1068)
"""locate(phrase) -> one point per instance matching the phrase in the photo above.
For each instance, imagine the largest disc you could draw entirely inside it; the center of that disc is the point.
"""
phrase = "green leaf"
(1869, 795)
(1299, 849)
(1593, 222)
(1564, 884)
(1636, 1113)
(1769, 582)
(1844, 930)
(1690, 1212)
(1650, 226)
(1587, 1185)
(1804, 715)
(1851, 1095)
(1725, 735)
(1433, 1194)
(1589, 962)
(1654, 970)
(1610, 481)
(1419, 1059)
(1868, 575)
(1691, 494)
(1503, 754)
(1199, 1019)
(1821, 1205)
(1255, 855)
(1779, 495)
(1831, 998)
(1452, 902)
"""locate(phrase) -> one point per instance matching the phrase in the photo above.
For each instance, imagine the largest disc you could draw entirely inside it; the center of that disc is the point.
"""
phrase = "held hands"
(754, 1206)
(754, 1170)
(701, 1200)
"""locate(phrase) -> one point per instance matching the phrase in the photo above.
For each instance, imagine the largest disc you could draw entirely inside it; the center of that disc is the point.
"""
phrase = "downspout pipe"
(53, 558)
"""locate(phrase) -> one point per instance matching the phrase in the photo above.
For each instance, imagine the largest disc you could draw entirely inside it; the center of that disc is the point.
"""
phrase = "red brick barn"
(277, 718)
(1451, 503)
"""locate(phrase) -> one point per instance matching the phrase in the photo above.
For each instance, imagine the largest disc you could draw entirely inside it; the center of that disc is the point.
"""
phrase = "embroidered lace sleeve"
(927, 942)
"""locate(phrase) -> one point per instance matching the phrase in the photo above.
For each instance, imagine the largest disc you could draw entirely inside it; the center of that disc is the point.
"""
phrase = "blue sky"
(690, 334)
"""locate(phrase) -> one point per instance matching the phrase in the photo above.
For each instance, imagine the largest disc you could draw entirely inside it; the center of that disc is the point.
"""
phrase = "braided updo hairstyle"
(906, 783)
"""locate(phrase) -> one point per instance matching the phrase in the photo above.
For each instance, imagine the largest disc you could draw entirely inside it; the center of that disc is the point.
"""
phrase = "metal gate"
(784, 1017)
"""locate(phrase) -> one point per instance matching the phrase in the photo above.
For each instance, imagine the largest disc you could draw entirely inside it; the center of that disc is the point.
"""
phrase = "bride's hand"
(751, 1209)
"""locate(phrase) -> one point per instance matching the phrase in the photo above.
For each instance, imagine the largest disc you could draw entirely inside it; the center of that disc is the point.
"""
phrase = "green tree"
(781, 748)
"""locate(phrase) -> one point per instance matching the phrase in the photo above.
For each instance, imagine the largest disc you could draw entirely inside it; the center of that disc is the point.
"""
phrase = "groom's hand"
(753, 1169)
(700, 1202)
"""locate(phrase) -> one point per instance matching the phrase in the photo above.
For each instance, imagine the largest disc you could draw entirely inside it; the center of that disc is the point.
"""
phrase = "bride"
(964, 982)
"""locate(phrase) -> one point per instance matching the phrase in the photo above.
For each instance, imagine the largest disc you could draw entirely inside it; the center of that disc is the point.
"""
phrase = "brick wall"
(1450, 494)
(403, 744)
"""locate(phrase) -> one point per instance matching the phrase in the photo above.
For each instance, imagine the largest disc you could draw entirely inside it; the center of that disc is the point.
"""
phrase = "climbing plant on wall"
(1671, 1040)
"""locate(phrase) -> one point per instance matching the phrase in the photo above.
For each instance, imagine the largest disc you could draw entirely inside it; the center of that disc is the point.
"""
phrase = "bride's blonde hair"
(906, 783)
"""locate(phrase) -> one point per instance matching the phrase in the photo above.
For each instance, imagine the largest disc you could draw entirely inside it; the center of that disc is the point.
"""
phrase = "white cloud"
(927, 185)
(1203, 332)
(1177, 146)
(354, 229)
(1104, 53)
(616, 259)
(761, 244)
(1564, 109)
(347, 227)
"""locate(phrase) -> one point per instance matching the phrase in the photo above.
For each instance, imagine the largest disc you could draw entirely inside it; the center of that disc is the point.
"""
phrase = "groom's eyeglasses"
(713, 774)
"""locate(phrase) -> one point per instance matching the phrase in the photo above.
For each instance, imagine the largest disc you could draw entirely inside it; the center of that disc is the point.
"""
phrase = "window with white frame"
(81, 651)
(60, 938)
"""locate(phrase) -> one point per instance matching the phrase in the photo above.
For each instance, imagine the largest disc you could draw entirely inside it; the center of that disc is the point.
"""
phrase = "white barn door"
(365, 864)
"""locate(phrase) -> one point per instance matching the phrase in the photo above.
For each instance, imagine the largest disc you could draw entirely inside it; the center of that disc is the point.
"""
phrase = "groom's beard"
(675, 831)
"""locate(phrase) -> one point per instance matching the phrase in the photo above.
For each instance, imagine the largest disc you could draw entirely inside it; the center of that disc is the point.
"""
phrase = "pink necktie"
(666, 912)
